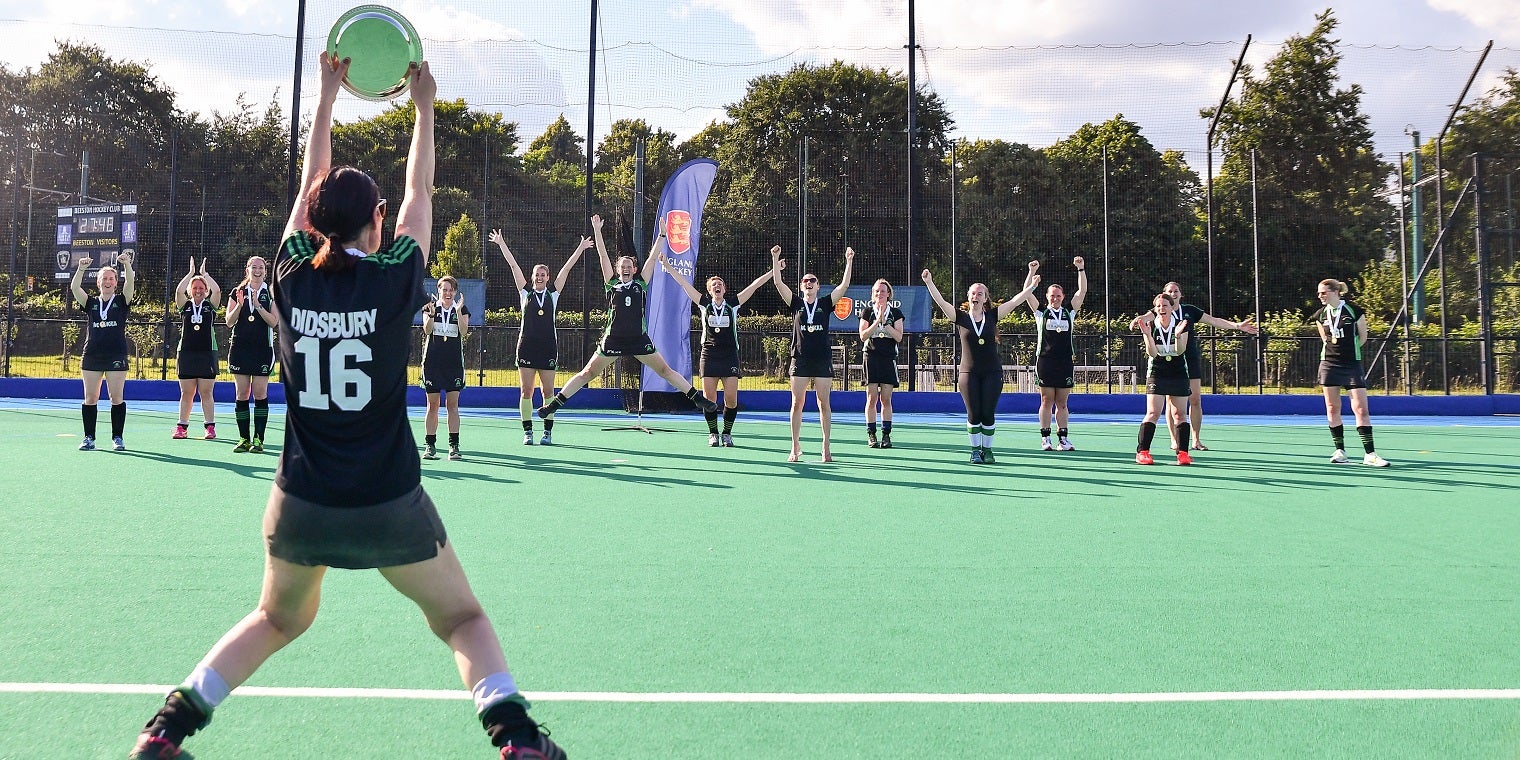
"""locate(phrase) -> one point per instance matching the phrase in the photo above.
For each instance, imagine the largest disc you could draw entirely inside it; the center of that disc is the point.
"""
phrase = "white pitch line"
(1314, 695)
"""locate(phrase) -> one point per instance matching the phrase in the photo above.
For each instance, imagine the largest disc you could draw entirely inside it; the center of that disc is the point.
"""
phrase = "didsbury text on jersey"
(333, 324)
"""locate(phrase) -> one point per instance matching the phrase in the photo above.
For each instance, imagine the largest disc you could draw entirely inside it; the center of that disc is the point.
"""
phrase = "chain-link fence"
(1129, 192)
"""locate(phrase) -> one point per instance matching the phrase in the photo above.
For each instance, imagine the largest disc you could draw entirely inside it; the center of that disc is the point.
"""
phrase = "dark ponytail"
(340, 207)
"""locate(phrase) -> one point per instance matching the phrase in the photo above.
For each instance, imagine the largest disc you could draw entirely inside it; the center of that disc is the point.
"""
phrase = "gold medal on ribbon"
(197, 327)
(981, 341)
(540, 312)
(250, 317)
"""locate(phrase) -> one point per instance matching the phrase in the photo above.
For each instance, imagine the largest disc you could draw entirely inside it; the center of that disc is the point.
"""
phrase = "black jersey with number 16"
(345, 339)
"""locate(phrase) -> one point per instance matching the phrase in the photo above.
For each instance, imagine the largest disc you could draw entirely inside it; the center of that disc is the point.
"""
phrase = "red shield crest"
(844, 307)
(678, 231)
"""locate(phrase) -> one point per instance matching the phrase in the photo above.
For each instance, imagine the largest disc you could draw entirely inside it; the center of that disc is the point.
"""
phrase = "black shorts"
(442, 379)
(1054, 373)
(1195, 365)
(103, 363)
(197, 365)
(254, 361)
(1336, 375)
(396, 532)
(808, 366)
(1168, 386)
(718, 364)
(537, 354)
(881, 369)
(626, 345)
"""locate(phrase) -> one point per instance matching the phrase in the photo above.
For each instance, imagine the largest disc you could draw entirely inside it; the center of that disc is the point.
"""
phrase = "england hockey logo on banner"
(678, 230)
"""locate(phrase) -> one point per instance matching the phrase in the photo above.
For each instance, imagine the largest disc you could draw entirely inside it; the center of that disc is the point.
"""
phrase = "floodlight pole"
(295, 110)
(1441, 212)
(590, 192)
(10, 296)
(1208, 157)
(913, 200)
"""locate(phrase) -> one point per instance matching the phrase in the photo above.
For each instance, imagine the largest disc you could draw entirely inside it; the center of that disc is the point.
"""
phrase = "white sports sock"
(208, 685)
(492, 689)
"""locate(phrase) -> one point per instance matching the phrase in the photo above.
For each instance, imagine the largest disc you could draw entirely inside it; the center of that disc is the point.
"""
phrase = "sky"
(1029, 71)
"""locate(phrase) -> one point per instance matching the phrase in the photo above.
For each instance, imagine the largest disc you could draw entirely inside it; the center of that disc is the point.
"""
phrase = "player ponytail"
(1335, 285)
(340, 207)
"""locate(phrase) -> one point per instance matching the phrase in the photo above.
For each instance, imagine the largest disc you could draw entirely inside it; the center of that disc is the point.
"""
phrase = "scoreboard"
(101, 232)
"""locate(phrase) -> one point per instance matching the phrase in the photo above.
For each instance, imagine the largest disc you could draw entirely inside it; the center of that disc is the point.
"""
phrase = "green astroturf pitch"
(658, 598)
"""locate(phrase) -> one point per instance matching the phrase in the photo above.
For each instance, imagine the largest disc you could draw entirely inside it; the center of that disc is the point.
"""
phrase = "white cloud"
(1498, 17)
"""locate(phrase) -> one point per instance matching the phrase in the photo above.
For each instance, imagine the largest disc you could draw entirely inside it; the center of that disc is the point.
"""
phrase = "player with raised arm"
(719, 361)
(981, 368)
(348, 490)
(812, 358)
(627, 331)
(537, 341)
(105, 344)
(1055, 355)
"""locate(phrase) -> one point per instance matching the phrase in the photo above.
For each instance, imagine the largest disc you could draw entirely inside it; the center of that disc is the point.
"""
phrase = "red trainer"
(1183, 458)
(211, 431)
(155, 748)
(1143, 457)
(542, 749)
(180, 432)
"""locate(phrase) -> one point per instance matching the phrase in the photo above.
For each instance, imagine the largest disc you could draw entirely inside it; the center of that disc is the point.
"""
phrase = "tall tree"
(557, 154)
(1489, 128)
(854, 120)
(1318, 178)
(1152, 226)
(1009, 197)
(615, 159)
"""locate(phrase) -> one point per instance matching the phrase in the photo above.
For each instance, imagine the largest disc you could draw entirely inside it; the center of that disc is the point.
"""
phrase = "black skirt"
(400, 531)
(197, 365)
(1332, 374)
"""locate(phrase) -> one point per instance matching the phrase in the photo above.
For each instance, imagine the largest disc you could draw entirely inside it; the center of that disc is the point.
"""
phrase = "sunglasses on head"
(381, 207)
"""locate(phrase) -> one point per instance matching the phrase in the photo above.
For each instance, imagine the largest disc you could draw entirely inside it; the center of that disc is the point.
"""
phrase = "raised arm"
(778, 264)
(1183, 334)
(655, 250)
(564, 271)
(128, 277)
(214, 295)
(1031, 281)
(77, 283)
(415, 219)
(506, 253)
(1031, 299)
(319, 143)
(749, 292)
(182, 290)
(1081, 294)
(686, 287)
(945, 307)
(601, 247)
(844, 282)
(1150, 342)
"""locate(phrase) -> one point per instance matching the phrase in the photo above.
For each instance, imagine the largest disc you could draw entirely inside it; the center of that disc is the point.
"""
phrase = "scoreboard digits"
(102, 232)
